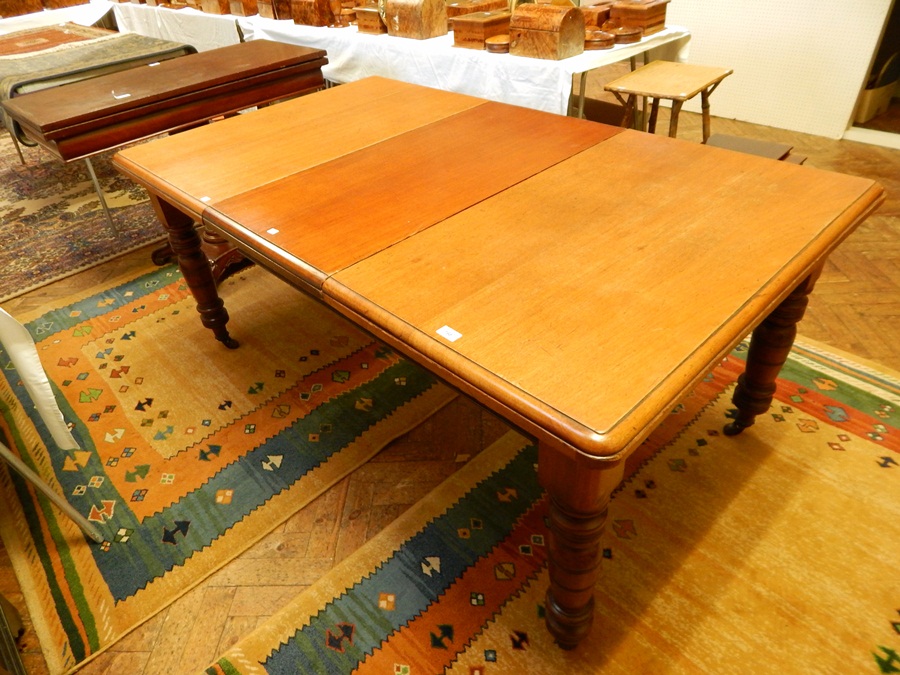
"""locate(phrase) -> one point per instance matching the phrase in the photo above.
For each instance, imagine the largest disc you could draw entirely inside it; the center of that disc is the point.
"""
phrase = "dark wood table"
(95, 115)
(576, 278)
(101, 113)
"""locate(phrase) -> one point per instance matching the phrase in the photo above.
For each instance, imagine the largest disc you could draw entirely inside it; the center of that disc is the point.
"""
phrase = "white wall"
(798, 64)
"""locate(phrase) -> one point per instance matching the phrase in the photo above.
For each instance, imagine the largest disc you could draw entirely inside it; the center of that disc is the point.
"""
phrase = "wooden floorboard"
(855, 307)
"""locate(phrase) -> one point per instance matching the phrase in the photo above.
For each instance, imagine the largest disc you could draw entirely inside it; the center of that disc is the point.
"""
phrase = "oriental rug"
(52, 224)
(771, 552)
(190, 452)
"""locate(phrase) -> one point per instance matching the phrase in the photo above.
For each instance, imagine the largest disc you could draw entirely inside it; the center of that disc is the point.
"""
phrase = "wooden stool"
(677, 82)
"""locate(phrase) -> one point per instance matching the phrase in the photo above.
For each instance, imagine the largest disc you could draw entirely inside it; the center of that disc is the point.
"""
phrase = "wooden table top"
(587, 276)
(669, 80)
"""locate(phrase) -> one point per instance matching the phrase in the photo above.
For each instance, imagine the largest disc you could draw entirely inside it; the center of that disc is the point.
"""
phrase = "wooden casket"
(648, 15)
(471, 30)
(459, 7)
(215, 6)
(368, 20)
(596, 15)
(316, 12)
(20, 7)
(244, 7)
(546, 31)
(417, 19)
(59, 4)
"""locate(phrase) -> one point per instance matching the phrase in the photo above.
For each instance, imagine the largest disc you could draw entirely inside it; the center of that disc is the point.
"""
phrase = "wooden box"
(595, 15)
(648, 15)
(244, 7)
(546, 31)
(274, 9)
(459, 7)
(315, 12)
(368, 20)
(60, 4)
(20, 7)
(471, 30)
(417, 19)
(215, 6)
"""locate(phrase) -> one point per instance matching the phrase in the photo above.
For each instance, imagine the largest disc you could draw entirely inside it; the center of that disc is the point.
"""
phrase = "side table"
(677, 82)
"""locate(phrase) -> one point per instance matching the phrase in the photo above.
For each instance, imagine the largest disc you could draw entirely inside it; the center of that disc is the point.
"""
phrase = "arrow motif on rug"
(343, 635)
(89, 395)
(164, 434)
(139, 472)
(77, 460)
(431, 564)
(143, 405)
(836, 413)
(224, 405)
(507, 496)
(114, 436)
(180, 526)
(890, 662)
(446, 633)
(624, 529)
(519, 640)
(364, 404)
(128, 335)
(808, 426)
(825, 384)
(118, 372)
(213, 451)
(272, 462)
(102, 515)
(67, 362)
(256, 388)
(887, 462)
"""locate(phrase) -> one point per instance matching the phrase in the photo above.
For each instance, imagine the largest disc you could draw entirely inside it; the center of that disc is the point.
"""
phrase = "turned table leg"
(770, 345)
(580, 492)
(194, 264)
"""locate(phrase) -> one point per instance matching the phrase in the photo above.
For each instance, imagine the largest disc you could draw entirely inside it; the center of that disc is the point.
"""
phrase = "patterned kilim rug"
(52, 224)
(772, 552)
(190, 452)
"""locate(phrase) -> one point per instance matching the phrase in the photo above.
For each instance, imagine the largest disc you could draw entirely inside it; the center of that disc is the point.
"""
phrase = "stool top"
(670, 80)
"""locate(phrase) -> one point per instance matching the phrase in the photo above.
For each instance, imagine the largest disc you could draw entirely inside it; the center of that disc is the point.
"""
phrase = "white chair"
(17, 342)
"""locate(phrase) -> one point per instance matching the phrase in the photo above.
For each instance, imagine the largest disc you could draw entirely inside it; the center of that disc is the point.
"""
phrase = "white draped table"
(533, 83)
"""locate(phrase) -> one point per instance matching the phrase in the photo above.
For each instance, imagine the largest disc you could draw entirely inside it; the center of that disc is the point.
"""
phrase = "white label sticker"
(448, 333)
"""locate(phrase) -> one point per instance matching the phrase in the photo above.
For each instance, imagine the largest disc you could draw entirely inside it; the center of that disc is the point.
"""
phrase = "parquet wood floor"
(855, 308)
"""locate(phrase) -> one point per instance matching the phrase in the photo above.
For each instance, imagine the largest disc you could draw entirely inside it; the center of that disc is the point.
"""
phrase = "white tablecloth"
(534, 83)
(190, 26)
(83, 15)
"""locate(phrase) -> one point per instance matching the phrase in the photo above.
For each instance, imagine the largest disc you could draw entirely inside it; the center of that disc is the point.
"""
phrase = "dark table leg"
(579, 491)
(770, 345)
(194, 264)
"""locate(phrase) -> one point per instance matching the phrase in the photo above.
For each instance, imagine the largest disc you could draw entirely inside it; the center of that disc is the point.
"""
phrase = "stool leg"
(673, 121)
(628, 115)
(654, 112)
(704, 106)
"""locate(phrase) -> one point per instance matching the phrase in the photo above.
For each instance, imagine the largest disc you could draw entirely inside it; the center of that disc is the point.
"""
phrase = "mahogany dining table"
(576, 278)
